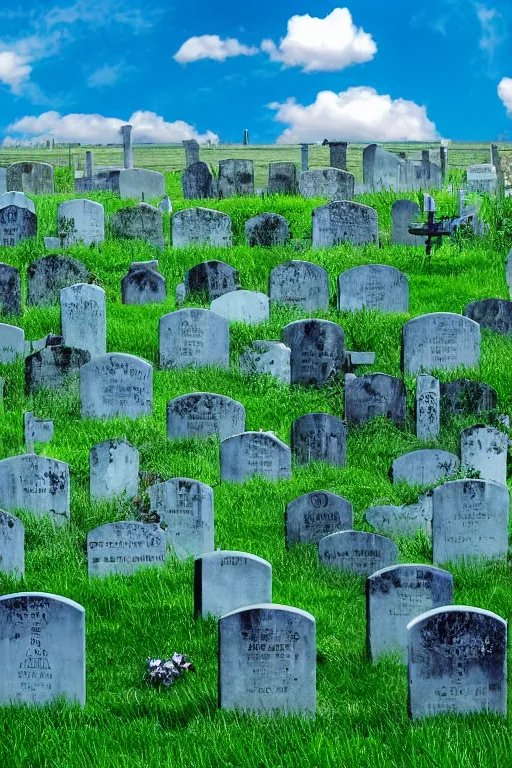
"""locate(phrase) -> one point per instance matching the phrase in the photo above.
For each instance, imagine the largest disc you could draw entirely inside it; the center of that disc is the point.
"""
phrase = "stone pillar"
(444, 162)
(126, 133)
(246, 137)
(496, 161)
(304, 156)
(191, 152)
(338, 154)
(88, 164)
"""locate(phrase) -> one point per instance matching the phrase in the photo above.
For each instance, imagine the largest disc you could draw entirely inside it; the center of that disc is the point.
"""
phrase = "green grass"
(362, 709)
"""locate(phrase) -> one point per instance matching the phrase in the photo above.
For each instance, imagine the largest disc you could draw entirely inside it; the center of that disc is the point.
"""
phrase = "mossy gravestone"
(319, 437)
(81, 221)
(48, 275)
(300, 284)
(10, 290)
(373, 286)
(36, 484)
(266, 230)
(440, 340)
(226, 580)
(83, 317)
(54, 367)
(424, 467)
(18, 219)
(201, 226)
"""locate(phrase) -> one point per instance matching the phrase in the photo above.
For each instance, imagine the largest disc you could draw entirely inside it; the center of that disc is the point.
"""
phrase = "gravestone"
(3, 181)
(225, 581)
(48, 275)
(356, 551)
(396, 595)
(12, 343)
(115, 385)
(80, 221)
(494, 314)
(428, 407)
(125, 548)
(185, 510)
(212, 278)
(89, 163)
(126, 133)
(300, 284)
(42, 649)
(242, 307)
(470, 519)
(141, 184)
(484, 449)
(338, 154)
(374, 394)
(83, 318)
(314, 515)
(36, 484)
(236, 177)
(282, 179)
(201, 226)
(31, 178)
(267, 660)
(165, 204)
(10, 290)
(198, 182)
(254, 453)
(381, 169)
(142, 222)
(405, 520)
(424, 467)
(36, 430)
(317, 350)
(201, 414)
(267, 230)
(114, 470)
(195, 337)
(482, 178)
(191, 152)
(304, 157)
(18, 219)
(143, 285)
(440, 340)
(54, 367)
(467, 396)
(319, 437)
(373, 286)
(329, 183)
(12, 545)
(344, 222)
(403, 214)
(267, 357)
(457, 662)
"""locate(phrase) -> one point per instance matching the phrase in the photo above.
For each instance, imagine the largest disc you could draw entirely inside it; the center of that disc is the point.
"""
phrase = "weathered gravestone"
(344, 222)
(373, 286)
(267, 230)
(125, 548)
(12, 343)
(191, 152)
(282, 179)
(267, 660)
(48, 275)
(482, 178)
(396, 595)
(440, 340)
(12, 545)
(114, 470)
(267, 357)
(405, 520)
(83, 318)
(330, 183)
(201, 226)
(185, 510)
(18, 219)
(114, 385)
(212, 278)
(143, 284)
(317, 350)
(467, 396)
(314, 515)
(195, 337)
(428, 407)
(484, 449)
(42, 649)
(319, 437)
(31, 178)
(403, 213)
(356, 551)
(80, 221)
(10, 290)
(50, 340)
(374, 394)
(36, 430)
(201, 414)
(54, 367)
(470, 519)
(381, 169)
(198, 182)
(225, 581)
(300, 284)
(248, 307)
(36, 484)
(494, 314)
(236, 177)
(424, 467)
(141, 184)
(457, 662)
(338, 154)
(254, 453)
(142, 222)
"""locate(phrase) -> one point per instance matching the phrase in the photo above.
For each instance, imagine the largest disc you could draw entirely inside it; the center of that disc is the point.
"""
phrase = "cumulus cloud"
(505, 93)
(97, 129)
(357, 114)
(14, 70)
(322, 45)
(212, 47)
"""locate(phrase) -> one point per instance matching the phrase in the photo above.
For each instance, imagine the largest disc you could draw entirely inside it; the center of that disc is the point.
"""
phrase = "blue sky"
(287, 71)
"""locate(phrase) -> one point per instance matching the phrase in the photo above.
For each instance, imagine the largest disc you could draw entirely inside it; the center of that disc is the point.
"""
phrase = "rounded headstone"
(143, 286)
(195, 337)
(32, 178)
(494, 314)
(212, 278)
(440, 340)
(356, 551)
(201, 414)
(124, 548)
(317, 350)
(266, 230)
(300, 284)
(242, 307)
(343, 221)
(142, 222)
(225, 581)
(330, 183)
(373, 286)
(254, 453)
(374, 394)
(424, 467)
(319, 437)
(116, 385)
(314, 515)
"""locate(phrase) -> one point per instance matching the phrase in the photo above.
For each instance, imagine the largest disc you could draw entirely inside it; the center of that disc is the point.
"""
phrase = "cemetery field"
(362, 717)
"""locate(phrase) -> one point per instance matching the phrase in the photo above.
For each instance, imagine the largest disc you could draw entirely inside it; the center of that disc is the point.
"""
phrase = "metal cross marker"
(433, 229)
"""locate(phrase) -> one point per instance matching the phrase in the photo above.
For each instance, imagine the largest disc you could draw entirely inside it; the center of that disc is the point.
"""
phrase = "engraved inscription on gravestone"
(10, 289)
(406, 520)
(314, 515)
(317, 350)
(373, 286)
(356, 551)
(374, 394)
(428, 407)
(116, 385)
(213, 278)
(300, 284)
(254, 453)
(48, 275)
(484, 449)
(125, 547)
(442, 340)
(18, 219)
(114, 469)
(203, 413)
(319, 437)
(83, 318)
(196, 337)
(225, 580)
(36, 484)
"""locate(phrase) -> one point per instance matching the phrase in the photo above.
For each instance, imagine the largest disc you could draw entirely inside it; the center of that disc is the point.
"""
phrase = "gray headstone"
(282, 179)
(373, 286)
(428, 407)
(267, 660)
(106, 179)
(191, 152)
(12, 343)
(83, 318)
(484, 449)
(201, 226)
(403, 213)
(236, 177)
(254, 453)
(125, 548)
(42, 649)
(89, 162)
(201, 414)
(242, 307)
(317, 350)
(185, 509)
(344, 222)
(467, 396)
(457, 662)
(31, 178)
(374, 394)
(381, 169)
(424, 467)
(356, 551)
(440, 340)
(10, 289)
(141, 184)
(329, 183)
(36, 484)
(225, 581)
(54, 367)
(405, 520)
(3, 181)
(114, 470)
(48, 275)
(314, 515)
(494, 314)
(212, 278)
(396, 595)
(142, 285)
(267, 357)
(36, 430)
(18, 219)
(482, 178)
(126, 133)
(114, 385)
(12, 545)
(300, 284)
(142, 222)
(81, 221)
(196, 337)
(338, 154)
(198, 182)
(304, 157)
(266, 230)
(319, 437)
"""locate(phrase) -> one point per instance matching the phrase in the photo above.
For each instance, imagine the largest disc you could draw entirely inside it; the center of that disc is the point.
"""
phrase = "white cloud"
(493, 29)
(107, 75)
(212, 47)
(14, 70)
(97, 129)
(357, 114)
(322, 45)
(505, 93)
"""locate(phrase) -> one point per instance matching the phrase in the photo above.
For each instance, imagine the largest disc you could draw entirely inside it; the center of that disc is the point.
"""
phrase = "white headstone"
(116, 385)
(125, 547)
(81, 221)
(242, 307)
(83, 318)
(114, 470)
(225, 581)
(36, 484)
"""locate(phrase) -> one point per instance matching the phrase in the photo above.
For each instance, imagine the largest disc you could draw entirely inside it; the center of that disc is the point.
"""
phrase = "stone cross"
(126, 133)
